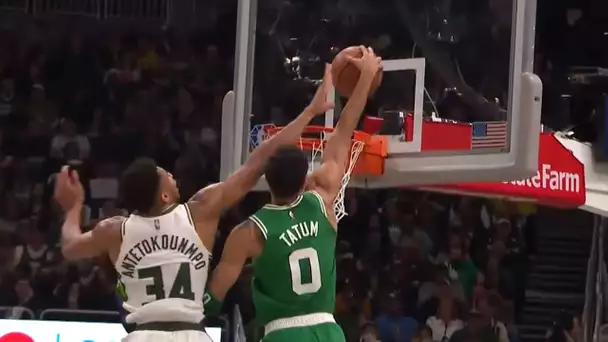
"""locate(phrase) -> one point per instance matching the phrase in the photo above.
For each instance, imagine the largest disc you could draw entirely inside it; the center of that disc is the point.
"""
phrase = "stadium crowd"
(412, 266)
(94, 101)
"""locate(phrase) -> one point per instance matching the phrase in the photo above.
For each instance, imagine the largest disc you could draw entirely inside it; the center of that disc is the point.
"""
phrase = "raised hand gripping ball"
(345, 74)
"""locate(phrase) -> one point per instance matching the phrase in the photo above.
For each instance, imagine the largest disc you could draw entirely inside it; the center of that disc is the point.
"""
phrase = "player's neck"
(160, 210)
(284, 201)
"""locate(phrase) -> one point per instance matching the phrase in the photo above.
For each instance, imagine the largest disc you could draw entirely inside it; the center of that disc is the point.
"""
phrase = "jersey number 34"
(313, 284)
(181, 287)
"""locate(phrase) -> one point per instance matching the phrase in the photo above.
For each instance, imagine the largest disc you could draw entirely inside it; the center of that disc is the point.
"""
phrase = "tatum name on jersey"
(299, 231)
(295, 274)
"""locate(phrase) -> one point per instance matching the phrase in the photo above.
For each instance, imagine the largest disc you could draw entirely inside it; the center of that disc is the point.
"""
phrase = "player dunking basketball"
(161, 251)
(292, 240)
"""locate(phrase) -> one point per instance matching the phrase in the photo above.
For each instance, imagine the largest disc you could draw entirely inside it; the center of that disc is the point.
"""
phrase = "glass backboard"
(459, 98)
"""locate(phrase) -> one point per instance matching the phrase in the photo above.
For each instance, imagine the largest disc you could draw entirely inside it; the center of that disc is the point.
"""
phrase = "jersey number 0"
(308, 255)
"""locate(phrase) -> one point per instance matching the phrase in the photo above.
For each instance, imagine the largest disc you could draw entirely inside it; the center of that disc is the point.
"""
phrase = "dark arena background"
(96, 83)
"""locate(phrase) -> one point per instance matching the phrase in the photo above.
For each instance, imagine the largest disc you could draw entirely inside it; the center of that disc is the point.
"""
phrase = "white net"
(355, 150)
(261, 132)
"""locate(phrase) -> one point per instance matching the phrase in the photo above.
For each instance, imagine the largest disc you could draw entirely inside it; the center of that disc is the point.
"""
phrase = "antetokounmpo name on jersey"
(162, 242)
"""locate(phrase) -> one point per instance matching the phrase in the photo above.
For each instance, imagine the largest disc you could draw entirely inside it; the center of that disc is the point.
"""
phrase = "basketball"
(345, 75)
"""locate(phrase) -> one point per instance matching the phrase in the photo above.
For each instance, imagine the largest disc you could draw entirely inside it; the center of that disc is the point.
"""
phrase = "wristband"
(212, 304)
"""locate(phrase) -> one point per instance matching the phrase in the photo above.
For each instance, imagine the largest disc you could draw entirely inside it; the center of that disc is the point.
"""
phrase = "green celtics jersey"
(296, 273)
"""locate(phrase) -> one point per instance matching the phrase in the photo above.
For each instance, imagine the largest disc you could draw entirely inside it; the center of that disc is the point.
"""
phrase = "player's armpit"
(242, 244)
(92, 243)
(326, 180)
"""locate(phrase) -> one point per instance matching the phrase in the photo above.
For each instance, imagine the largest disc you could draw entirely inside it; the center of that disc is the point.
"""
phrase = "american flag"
(489, 135)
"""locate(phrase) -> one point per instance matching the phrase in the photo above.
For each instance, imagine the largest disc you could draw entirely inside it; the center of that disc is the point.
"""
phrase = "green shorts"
(324, 332)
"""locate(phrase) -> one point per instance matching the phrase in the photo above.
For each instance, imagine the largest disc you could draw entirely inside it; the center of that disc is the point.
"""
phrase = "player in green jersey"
(292, 241)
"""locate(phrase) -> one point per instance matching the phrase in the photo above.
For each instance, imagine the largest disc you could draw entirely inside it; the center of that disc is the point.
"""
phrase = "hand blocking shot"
(161, 250)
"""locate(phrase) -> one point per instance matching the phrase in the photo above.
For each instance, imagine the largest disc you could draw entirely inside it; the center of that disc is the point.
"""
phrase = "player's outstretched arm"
(244, 242)
(221, 196)
(326, 180)
(75, 244)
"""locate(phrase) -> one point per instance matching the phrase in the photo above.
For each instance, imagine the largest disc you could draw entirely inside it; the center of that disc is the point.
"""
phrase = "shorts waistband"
(299, 321)
(169, 326)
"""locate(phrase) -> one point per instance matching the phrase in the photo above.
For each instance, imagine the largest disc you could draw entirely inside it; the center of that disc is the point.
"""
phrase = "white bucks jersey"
(162, 267)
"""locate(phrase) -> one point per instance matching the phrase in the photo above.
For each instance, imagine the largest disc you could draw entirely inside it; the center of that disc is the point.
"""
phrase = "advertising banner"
(59, 331)
(559, 181)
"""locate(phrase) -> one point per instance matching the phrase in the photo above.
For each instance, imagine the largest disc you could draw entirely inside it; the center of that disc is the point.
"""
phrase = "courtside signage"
(559, 181)
(60, 331)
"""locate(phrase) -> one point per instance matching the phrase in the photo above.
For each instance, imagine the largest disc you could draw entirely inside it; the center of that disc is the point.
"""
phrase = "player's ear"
(309, 184)
(165, 197)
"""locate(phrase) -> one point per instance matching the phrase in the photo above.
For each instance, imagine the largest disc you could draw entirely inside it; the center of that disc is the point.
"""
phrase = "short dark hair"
(139, 185)
(286, 171)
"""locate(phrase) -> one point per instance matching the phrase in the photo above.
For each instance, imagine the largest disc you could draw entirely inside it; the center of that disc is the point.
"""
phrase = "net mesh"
(259, 133)
(356, 148)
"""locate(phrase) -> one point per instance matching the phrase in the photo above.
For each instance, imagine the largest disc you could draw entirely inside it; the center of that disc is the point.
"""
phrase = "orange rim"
(371, 159)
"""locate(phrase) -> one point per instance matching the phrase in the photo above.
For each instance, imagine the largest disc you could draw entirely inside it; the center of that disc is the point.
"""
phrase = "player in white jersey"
(161, 251)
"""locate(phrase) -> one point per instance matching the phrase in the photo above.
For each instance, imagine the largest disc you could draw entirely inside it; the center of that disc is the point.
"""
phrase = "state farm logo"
(546, 178)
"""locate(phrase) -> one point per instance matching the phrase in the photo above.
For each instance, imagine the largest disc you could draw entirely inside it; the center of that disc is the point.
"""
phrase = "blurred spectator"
(445, 322)
(10, 213)
(460, 261)
(507, 316)
(489, 306)
(26, 296)
(416, 269)
(93, 291)
(434, 287)
(7, 98)
(34, 255)
(392, 323)
(373, 256)
(69, 146)
(369, 333)
(33, 146)
(404, 225)
(6, 153)
(62, 288)
(423, 334)
(351, 309)
(566, 328)
(504, 259)
(476, 329)
(104, 187)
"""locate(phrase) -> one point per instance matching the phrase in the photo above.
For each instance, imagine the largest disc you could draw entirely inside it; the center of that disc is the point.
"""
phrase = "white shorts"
(167, 336)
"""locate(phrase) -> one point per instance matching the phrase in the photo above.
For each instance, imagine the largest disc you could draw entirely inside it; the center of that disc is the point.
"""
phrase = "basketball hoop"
(367, 154)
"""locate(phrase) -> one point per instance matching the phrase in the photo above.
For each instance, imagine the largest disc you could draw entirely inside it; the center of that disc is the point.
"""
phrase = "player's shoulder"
(206, 194)
(207, 202)
(249, 227)
(325, 202)
(111, 223)
(250, 236)
(118, 219)
(319, 195)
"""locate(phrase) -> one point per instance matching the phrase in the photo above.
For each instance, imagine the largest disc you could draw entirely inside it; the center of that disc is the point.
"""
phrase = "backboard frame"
(406, 165)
